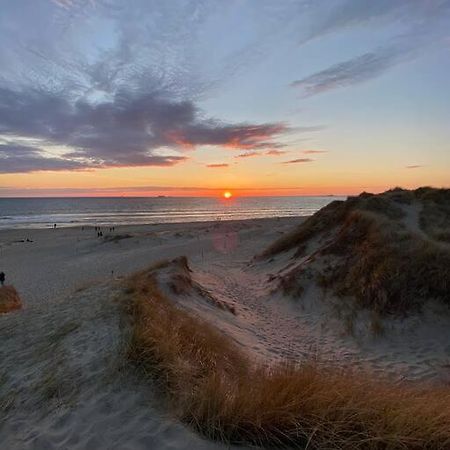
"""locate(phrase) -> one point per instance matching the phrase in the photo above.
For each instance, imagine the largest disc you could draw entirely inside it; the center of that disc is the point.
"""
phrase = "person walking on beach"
(2, 278)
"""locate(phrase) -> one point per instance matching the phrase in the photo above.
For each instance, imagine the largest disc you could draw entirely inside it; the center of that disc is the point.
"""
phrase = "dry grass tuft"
(212, 387)
(9, 299)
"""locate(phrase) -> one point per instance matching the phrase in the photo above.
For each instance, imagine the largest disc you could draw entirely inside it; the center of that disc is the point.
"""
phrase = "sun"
(227, 194)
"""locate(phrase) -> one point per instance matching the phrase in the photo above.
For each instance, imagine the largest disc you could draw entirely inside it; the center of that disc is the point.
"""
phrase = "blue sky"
(299, 96)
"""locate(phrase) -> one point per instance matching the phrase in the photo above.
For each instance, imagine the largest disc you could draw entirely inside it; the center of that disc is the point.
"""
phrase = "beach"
(59, 261)
(66, 381)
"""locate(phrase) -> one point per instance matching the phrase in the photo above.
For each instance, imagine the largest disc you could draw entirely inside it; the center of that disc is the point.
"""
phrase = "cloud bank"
(130, 129)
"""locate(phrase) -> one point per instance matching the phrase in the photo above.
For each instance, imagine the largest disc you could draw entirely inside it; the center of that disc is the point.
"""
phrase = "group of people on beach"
(100, 231)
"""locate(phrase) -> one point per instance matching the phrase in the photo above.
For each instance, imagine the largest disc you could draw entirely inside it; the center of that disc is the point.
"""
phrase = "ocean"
(108, 211)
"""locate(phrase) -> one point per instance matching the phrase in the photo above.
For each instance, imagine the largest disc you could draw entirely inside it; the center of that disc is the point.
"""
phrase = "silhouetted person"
(54, 225)
(2, 278)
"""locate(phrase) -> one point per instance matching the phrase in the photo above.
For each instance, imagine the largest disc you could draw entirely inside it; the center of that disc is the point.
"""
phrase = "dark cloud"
(298, 160)
(130, 129)
(23, 159)
(19, 158)
(246, 136)
(217, 166)
(416, 166)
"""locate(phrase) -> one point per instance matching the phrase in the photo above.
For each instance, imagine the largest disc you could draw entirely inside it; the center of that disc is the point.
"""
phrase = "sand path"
(278, 328)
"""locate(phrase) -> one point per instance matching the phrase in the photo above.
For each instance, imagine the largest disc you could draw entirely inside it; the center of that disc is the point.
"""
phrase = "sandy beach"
(65, 381)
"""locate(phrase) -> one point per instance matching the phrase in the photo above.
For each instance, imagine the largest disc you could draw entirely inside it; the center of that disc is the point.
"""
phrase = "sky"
(194, 97)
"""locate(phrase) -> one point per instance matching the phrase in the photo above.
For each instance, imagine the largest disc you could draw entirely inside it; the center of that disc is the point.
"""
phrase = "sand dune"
(66, 381)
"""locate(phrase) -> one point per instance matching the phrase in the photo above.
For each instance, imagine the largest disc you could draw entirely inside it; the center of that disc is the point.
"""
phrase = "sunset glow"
(105, 122)
(227, 194)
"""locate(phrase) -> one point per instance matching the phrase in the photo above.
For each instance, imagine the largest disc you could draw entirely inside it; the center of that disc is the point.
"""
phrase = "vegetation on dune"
(314, 225)
(367, 250)
(386, 268)
(435, 214)
(9, 299)
(213, 387)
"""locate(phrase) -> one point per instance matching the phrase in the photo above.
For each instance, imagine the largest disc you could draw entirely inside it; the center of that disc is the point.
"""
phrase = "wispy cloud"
(275, 152)
(314, 152)
(247, 154)
(415, 166)
(353, 71)
(298, 161)
(217, 166)
(425, 24)
(351, 13)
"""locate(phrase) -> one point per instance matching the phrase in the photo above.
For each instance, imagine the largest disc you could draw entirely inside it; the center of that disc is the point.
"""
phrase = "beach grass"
(212, 386)
(9, 299)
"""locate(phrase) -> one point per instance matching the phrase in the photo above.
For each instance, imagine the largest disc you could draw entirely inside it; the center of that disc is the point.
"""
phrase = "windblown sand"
(65, 382)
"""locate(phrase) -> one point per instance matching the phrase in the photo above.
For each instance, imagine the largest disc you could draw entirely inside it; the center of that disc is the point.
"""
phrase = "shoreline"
(150, 224)
(34, 214)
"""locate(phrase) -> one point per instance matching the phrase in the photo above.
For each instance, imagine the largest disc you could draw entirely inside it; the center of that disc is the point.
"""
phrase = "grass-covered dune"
(212, 386)
(390, 252)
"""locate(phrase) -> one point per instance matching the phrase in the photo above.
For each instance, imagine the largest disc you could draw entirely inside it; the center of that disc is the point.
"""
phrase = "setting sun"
(227, 194)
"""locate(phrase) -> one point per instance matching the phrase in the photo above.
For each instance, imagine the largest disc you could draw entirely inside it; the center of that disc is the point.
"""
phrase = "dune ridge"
(389, 252)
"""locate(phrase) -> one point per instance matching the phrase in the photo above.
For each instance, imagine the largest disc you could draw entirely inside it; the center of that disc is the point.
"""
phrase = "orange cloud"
(275, 152)
(298, 160)
(216, 166)
(247, 155)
